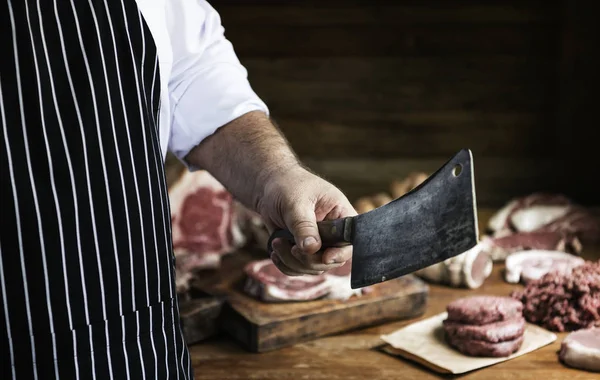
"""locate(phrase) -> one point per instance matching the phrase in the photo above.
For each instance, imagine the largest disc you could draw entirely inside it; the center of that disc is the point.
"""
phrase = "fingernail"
(308, 241)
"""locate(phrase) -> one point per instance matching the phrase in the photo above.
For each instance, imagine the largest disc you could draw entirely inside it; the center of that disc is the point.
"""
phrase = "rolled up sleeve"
(208, 85)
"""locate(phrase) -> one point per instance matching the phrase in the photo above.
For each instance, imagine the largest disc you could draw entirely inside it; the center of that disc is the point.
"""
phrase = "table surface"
(354, 355)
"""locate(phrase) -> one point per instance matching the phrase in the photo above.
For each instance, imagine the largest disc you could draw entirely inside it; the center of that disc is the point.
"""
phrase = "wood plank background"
(367, 91)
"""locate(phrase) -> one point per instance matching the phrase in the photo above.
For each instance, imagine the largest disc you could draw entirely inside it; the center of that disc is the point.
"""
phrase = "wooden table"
(354, 355)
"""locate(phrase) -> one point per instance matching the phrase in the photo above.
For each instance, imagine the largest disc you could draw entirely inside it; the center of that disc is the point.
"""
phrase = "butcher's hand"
(296, 200)
(251, 157)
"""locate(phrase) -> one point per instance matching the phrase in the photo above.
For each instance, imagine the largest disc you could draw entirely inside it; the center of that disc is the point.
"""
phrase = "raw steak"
(267, 283)
(482, 348)
(492, 332)
(564, 301)
(499, 248)
(581, 349)
(525, 266)
(481, 310)
(204, 223)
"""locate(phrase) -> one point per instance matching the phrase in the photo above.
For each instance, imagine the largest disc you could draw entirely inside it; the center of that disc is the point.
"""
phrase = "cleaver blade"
(435, 221)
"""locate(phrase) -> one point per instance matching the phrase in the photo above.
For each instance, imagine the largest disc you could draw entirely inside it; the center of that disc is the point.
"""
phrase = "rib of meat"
(500, 222)
(525, 266)
(492, 332)
(577, 221)
(481, 310)
(581, 349)
(543, 212)
(501, 247)
(204, 225)
(564, 301)
(482, 348)
(267, 283)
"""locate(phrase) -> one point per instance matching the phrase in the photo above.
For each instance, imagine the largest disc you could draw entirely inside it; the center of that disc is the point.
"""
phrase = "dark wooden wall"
(367, 91)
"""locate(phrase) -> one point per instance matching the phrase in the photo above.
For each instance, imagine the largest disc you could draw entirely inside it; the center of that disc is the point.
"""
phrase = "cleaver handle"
(333, 233)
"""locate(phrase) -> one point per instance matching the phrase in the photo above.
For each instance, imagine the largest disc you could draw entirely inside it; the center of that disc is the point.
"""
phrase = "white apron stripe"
(125, 354)
(154, 119)
(4, 297)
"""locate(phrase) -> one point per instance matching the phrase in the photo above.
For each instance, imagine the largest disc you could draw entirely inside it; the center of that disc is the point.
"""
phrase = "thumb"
(302, 223)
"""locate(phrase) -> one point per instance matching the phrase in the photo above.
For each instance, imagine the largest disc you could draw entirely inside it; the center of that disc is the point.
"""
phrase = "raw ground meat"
(581, 349)
(480, 310)
(492, 332)
(531, 265)
(482, 348)
(267, 283)
(564, 302)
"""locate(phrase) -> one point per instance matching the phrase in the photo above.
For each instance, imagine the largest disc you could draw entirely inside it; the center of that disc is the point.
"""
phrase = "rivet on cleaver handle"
(435, 221)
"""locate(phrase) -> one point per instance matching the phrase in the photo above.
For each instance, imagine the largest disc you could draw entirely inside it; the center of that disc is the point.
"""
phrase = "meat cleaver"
(435, 221)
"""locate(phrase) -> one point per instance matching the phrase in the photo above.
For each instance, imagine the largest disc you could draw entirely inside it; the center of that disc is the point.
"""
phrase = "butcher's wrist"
(271, 177)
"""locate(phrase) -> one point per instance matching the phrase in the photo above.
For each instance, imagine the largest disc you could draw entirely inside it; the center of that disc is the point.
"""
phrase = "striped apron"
(86, 265)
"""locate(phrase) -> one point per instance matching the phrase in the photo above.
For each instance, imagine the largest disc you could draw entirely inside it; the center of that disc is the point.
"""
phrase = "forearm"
(244, 155)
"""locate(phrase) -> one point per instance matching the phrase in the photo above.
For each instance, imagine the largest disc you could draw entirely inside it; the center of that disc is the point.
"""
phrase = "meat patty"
(581, 349)
(481, 310)
(493, 332)
(473, 347)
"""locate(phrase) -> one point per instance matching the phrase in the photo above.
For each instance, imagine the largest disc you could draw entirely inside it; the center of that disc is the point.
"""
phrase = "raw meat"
(499, 248)
(481, 310)
(339, 283)
(469, 269)
(204, 224)
(264, 281)
(482, 348)
(525, 266)
(564, 301)
(267, 283)
(501, 221)
(543, 212)
(581, 349)
(492, 332)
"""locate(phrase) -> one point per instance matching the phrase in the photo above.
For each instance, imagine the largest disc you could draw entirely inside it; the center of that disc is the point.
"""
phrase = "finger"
(337, 255)
(283, 249)
(314, 261)
(282, 267)
(302, 223)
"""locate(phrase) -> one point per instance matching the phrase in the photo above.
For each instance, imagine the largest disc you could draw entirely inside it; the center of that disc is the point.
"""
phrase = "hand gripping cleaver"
(433, 222)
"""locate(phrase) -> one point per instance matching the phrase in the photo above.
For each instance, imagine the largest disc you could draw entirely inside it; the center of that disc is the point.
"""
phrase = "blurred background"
(370, 91)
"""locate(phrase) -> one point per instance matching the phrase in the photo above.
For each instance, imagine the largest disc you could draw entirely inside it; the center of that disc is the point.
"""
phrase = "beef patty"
(493, 332)
(481, 310)
(473, 347)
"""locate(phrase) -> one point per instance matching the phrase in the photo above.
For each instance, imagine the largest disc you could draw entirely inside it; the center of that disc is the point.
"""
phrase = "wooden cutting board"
(261, 326)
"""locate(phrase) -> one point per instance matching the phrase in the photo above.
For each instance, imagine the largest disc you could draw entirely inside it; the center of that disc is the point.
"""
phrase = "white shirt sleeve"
(208, 86)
